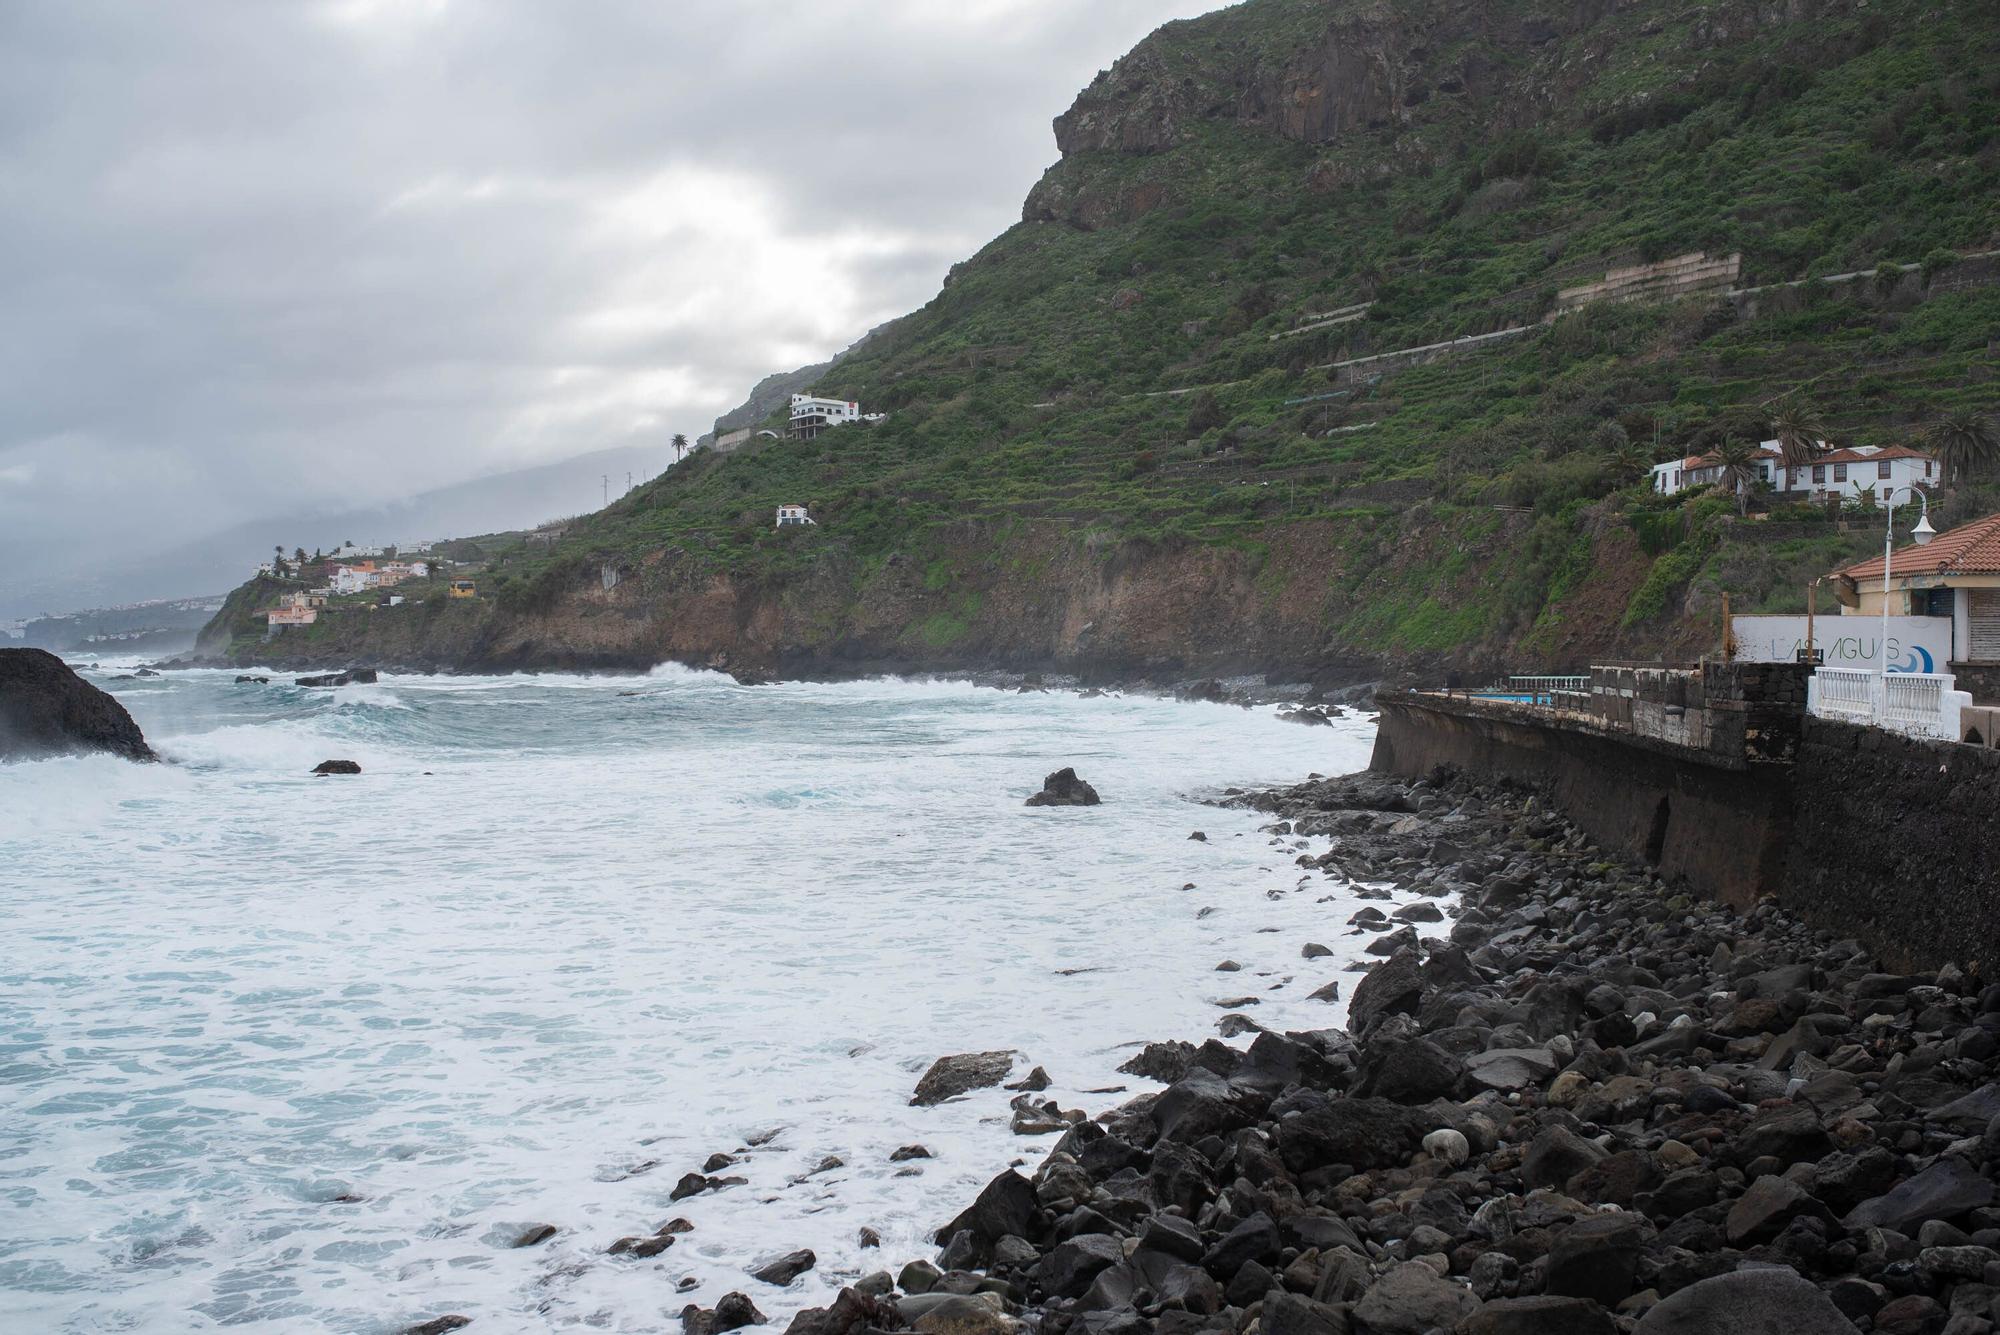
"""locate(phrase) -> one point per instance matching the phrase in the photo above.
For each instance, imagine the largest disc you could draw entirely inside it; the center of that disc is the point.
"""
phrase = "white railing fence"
(1916, 704)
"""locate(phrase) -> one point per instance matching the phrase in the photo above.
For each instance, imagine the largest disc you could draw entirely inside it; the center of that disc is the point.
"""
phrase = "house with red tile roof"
(1957, 574)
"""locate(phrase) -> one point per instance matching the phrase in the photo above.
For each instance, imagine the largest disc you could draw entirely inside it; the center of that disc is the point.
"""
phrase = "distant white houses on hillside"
(1844, 473)
(811, 415)
(792, 515)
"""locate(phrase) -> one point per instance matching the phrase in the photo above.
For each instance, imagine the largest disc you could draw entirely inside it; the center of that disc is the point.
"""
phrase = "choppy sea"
(286, 1053)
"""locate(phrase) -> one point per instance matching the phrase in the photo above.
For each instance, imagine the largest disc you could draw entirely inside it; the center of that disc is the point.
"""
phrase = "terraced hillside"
(1136, 434)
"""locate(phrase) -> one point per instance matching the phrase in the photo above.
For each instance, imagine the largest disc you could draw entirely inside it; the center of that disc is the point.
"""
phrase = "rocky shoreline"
(1578, 1103)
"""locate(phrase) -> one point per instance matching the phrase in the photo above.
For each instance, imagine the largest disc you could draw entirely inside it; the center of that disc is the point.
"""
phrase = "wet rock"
(1064, 789)
(1557, 1155)
(1761, 1212)
(732, 1312)
(949, 1077)
(784, 1269)
(261, 681)
(1294, 1314)
(1597, 1258)
(1005, 1205)
(1393, 987)
(1069, 1268)
(1510, 1069)
(963, 1314)
(855, 1309)
(351, 677)
(1946, 1189)
(908, 1152)
(1543, 1314)
(1315, 1131)
(534, 1235)
(1911, 1314)
(336, 767)
(867, 1238)
(438, 1325)
(1411, 1299)
(46, 709)
(1172, 1236)
(1747, 1302)
(918, 1277)
(1165, 1062)
(1034, 1082)
(1255, 1239)
(1408, 1070)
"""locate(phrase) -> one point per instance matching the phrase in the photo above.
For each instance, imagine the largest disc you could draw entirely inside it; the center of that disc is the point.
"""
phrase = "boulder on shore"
(1064, 789)
(47, 710)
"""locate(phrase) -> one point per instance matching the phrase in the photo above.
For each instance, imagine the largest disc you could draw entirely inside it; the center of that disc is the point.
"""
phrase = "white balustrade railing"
(1843, 693)
(1916, 704)
(1542, 690)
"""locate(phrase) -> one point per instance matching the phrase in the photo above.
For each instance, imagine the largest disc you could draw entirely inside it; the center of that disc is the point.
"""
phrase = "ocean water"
(284, 1053)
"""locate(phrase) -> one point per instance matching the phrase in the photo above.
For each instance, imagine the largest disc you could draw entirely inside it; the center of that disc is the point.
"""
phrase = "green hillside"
(1119, 373)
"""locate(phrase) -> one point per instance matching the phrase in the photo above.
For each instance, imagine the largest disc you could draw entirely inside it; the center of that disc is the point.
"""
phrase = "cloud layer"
(264, 258)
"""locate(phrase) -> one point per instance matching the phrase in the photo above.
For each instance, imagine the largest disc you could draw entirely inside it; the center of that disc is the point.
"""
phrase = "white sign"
(1916, 644)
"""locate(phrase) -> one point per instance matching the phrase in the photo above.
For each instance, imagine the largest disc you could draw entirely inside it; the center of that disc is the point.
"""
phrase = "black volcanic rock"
(1064, 789)
(47, 710)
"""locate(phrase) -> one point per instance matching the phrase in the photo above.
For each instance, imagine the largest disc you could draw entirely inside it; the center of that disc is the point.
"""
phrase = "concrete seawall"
(1720, 827)
(1861, 832)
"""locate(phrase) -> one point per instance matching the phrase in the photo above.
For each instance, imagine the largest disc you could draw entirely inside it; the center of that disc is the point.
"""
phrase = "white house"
(355, 578)
(790, 516)
(811, 415)
(1844, 473)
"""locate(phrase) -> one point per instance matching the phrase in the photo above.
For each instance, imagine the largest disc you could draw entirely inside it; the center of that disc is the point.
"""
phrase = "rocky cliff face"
(1408, 83)
(1038, 598)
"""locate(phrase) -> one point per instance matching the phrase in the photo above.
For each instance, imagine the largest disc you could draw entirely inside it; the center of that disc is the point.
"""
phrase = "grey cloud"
(258, 259)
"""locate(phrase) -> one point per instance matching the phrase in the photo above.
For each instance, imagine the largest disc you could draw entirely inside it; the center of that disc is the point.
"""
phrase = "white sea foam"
(558, 930)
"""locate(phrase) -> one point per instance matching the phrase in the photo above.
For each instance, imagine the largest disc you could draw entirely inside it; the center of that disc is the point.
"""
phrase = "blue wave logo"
(1919, 661)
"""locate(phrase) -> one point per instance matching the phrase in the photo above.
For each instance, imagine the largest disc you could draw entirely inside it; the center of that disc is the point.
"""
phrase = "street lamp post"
(1921, 534)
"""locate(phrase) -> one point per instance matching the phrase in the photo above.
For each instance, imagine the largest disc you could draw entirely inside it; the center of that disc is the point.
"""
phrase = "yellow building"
(464, 588)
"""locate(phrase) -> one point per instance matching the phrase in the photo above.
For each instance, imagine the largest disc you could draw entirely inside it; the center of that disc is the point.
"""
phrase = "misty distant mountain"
(221, 561)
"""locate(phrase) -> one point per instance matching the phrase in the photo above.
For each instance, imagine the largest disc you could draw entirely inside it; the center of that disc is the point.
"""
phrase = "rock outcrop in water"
(351, 677)
(1064, 789)
(46, 709)
(949, 1077)
(1588, 1105)
(326, 767)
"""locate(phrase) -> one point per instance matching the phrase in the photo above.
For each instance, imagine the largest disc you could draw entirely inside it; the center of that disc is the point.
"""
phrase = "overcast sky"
(261, 256)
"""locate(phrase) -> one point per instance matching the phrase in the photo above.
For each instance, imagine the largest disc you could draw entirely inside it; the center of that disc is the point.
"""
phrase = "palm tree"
(1739, 470)
(1799, 431)
(1965, 443)
(680, 445)
(1631, 463)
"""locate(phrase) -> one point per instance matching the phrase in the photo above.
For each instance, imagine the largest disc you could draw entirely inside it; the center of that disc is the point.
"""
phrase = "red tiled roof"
(1969, 549)
(1857, 457)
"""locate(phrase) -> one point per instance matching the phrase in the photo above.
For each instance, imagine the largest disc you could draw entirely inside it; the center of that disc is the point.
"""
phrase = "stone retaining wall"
(1860, 831)
(1897, 841)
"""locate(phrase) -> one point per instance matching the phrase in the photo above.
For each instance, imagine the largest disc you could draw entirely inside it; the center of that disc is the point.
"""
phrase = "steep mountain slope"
(1150, 429)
